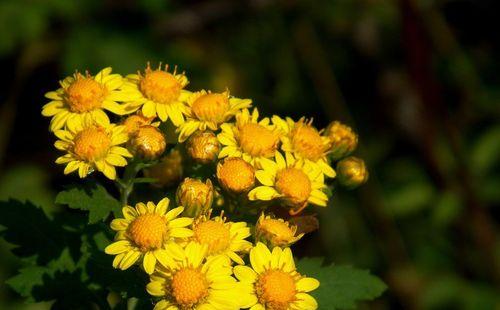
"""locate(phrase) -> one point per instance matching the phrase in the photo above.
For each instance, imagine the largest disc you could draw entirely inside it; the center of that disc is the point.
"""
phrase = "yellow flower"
(168, 171)
(158, 93)
(203, 147)
(148, 142)
(249, 138)
(293, 182)
(207, 110)
(196, 282)
(273, 282)
(342, 138)
(148, 232)
(134, 122)
(236, 175)
(84, 97)
(221, 237)
(92, 146)
(196, 196)
(276, 231)
(305, 142)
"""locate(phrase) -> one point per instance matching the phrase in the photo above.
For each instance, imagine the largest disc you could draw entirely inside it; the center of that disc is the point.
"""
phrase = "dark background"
(418, 80)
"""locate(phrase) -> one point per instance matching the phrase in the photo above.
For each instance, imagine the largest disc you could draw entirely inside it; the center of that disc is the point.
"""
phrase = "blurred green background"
(418, 80)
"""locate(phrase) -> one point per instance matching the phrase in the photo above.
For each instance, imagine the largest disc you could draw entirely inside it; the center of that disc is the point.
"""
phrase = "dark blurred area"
(418, 80)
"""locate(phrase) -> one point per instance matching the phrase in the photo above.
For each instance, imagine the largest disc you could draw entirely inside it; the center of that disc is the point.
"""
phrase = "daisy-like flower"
(148, 232)
(307, 144)
(196, 282)
(158, 93)
(276, 231)
(221, 237)
(274, 283)
(293, 182)
(91, 146)
(249, 138)
(83, 97)
(207, 110)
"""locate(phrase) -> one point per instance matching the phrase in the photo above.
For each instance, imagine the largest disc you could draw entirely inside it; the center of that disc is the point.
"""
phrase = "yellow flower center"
(294, 184)
(276, 289)
(92, 144)
(236, 175)
(189, 287)
(214, 234)
(134, 122)
(279, 231)
(148, 231)
(307, 141)
(149, 142)
(257, 140)
(211, 107)
(85, 94)
(160, 86)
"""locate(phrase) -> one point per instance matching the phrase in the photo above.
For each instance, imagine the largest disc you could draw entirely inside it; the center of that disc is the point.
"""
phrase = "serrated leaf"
(92, 198)
(341, 286)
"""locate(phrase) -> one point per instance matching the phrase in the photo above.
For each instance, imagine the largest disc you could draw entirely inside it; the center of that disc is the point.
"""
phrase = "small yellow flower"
(276, 231)
(85, 97)
(236, 175)
(273, 282)
(222, 237)
(168, 171)
(196, 282)
(148, 142)
(203, 147)
(293, 182)
(134, 122)
(196, 196)
(158, 93)
(343, 139)
(352, 172)
(207, 110)
(90, 147)
(305, 142)
(249, 138)
(148, 232)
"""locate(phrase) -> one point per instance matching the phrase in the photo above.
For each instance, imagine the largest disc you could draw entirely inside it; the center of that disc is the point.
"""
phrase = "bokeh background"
(418, 80)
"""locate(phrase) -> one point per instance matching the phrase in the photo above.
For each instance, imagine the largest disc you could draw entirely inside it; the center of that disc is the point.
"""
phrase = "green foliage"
(341, 286)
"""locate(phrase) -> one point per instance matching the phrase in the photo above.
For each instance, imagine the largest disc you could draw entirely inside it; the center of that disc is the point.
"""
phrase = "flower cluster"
(221, 158)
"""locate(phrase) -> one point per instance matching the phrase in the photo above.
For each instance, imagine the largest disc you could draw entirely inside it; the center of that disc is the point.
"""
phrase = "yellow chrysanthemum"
(207, 110)
(158, 93)
(276, 231)
(294, 182)
(249, 138)
(306, 143)
(83, 97)
(222, 238)
(92, 146)
(133, 122)
(274, 283)
(196, 282)
(148, 232)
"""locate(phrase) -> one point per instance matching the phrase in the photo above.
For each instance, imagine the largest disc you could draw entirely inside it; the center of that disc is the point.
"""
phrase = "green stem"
(126, 184)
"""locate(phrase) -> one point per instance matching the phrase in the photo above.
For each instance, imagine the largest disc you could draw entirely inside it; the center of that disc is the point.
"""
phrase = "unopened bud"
(352, 172)
(148, 142)
(276, 232)
(342, 138)
(195, 196)
(168, 171)
(133, 122)
(203, 147)
(236, 175)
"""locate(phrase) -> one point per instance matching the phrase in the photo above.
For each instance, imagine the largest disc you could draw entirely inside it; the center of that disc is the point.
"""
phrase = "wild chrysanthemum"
(306, 143)
(85, 97)
(133, 122)
(207, 110)
(158, 93)
(249, 138)
(148, 232)
(196, 282)
(273, 281)
(236, 175)
(276, 231)
(92, 146)
(222, 238)
(294, 182)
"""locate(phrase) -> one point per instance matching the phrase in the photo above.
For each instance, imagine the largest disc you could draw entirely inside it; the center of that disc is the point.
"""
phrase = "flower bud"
(352, 172)
(342, 138)
(276, 232)
(148, 142)
(168, 171)
(203, 147)
(135, 121)
(195, 196)
(236, 175)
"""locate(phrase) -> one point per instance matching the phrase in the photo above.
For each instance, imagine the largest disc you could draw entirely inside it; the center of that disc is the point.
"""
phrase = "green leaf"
(341, 286)
(92, 198)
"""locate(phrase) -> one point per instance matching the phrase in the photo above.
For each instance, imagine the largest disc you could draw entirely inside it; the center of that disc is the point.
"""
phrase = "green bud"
(352, 172)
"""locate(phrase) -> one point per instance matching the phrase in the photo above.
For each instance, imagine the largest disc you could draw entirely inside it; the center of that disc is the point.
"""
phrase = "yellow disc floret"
(294, 184)
(84, 94)
(307, 141)
(257, 140)
(275, 289)
(160, 86)
(236, 175)
(215, 234)
(211, 107)
(189, 287)
(148, 231)
(92, 143)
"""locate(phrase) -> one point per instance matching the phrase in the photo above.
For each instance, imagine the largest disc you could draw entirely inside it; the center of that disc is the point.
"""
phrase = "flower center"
(211, 107)
(236, 174)
(275, 289)
(84, 94)
(92, 144)
(294, 184)
(307, 142)
(148, 231)
(257, 140)
(160, 86)
(214, 234)
(280, 230)
(189, 287)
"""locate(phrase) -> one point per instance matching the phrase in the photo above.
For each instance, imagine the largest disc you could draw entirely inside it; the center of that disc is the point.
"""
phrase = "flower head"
(236, 175)
(168, 171)
(133, 122)
(148, 232)
(203, 147)
(196, 196)
(276, 231)
(148, 142)
(342, 138)
(352, 172)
